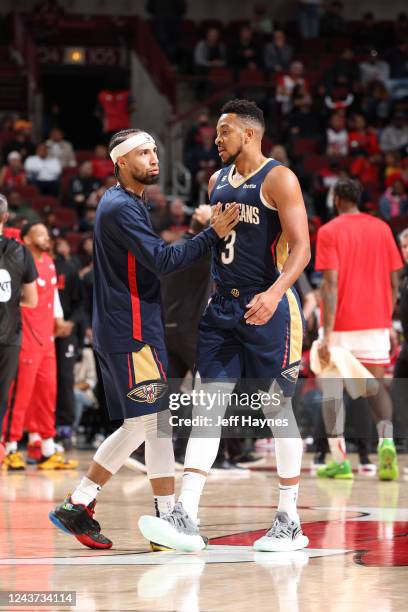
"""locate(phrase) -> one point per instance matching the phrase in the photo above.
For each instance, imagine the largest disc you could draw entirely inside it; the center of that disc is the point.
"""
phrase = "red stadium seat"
(313, 163)
(65, 217)
(251, 76)
(27, 191)
(39, 202)
(83, 155)
(220, 78)
(305, 146)
(74, 238)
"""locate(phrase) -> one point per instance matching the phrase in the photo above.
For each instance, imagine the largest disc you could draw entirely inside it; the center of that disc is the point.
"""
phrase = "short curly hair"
(245, 109)
(349, 190)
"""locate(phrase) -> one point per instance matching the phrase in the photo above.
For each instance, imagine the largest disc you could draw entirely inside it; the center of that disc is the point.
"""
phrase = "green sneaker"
(340, 471)
(387, 461)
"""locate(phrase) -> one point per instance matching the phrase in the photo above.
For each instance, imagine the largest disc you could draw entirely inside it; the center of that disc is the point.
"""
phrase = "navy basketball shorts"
(134, 383)
(229, 348)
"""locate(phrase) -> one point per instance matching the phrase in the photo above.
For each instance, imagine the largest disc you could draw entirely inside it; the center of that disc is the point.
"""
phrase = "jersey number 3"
(227, 255)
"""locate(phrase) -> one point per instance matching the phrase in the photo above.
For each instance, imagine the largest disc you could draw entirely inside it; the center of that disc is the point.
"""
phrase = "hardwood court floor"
(357, 560)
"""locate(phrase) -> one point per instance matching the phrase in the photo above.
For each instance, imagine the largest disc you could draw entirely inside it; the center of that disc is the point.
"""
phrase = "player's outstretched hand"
(223, 222)
(261, 308)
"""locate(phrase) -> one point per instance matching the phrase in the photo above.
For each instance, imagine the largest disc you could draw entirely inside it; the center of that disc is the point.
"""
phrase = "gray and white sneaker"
(284, 535)
(175, 530)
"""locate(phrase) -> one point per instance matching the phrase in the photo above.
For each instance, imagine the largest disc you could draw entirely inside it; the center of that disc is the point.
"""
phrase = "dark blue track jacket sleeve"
(134, 231)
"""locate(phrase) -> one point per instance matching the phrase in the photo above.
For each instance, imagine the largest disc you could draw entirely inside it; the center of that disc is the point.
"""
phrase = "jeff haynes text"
(232, 421)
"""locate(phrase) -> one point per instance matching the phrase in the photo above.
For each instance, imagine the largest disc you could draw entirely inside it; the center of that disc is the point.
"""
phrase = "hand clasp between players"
(223, 222)
(261, 308)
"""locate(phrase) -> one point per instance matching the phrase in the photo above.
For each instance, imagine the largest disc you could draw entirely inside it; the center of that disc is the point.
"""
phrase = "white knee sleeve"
(114, 451)
(159, 452)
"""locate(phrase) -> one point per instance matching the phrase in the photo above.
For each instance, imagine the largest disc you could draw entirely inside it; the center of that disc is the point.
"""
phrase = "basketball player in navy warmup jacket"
(253, 325)
(128, 330)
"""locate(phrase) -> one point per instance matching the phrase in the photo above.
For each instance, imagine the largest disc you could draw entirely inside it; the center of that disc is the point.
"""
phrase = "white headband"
(131, 143)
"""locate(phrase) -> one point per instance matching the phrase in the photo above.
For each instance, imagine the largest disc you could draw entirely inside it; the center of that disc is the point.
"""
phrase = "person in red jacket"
(33, 400)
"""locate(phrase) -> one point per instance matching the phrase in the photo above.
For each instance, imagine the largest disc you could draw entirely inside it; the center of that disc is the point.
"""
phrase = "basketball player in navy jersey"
(253, 326)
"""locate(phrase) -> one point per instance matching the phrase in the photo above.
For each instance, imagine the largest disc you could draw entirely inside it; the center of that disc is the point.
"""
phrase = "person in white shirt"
(337, 136)
(374, 69)
(43, 171)
(61, 149)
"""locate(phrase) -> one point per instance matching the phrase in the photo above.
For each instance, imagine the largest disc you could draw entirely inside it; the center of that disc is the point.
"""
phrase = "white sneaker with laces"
(284, 536)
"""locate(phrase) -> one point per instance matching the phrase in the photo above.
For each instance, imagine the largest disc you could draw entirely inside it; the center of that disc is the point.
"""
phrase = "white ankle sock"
(164, 503)
(338, 448)
(191, 489)
(288, 495)
(33, 437)
(11, 447)
(385, 431)
(86, 492)
(47, 447)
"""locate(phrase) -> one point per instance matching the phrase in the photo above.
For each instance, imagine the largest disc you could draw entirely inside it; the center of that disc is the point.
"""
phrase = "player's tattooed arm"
(282, 191)
(328, 291)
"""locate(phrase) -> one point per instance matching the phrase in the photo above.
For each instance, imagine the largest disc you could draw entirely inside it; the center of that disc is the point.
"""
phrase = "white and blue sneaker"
(284, 536)
(175, 530)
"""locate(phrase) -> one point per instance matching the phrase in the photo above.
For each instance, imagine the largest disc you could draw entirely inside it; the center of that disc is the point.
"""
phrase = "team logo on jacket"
(148, 392)
(5, 285)
(291, 374)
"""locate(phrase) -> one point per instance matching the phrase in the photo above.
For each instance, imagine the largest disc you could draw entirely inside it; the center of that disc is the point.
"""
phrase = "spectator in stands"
(303, 120)
(395, 136)
(378, 104)
(373, 68)
(85, 383)
(210, 52)
(286, 84)
(43, 171)
(309, 18)
(279, 153)
(337, 140)
(401, 28)
(278, 54)
(177, 225)
(332, 22)
(88, 222)
(344, 72)
(61, 149)
(49, 218)
(394, 201)
(84, 257)
(366, 36)
(94, 199)
(362, 139)
(21, 142)
(12, 175)
(398, 60)
(158, 208)
(392, 167)
(246, 52)
(203, 159)
(20, 210)
(102, 165)
(166, 23)
(261, 22)
(81, 187)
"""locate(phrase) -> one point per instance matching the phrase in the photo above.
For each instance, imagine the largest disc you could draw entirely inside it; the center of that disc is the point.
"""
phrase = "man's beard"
(232, 158)
(146, 179)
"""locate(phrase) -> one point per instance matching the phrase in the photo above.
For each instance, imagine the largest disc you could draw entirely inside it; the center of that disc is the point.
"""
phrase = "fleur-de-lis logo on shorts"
(147, 392)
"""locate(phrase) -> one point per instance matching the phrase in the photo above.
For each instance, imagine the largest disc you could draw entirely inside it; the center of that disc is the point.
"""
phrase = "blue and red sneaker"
(77, 520)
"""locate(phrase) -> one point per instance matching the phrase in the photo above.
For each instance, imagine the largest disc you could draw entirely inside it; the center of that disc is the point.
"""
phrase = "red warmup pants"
(33, 401)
